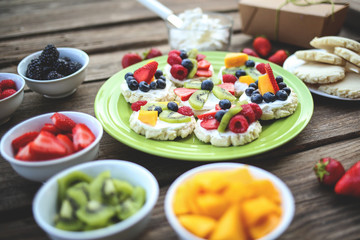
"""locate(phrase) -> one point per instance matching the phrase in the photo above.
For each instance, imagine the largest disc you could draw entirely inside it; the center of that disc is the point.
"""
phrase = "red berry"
(50, 128)
(261, 68)
(349, 183)
(24, 154)
(238, 124)
(184, 93)
(7, 93)
(62, 122)
(270, 73)
(262, 46)
(174, 59)
(82, 136)
(257, 110)
(329, 171)
(229, 78)
(250, 52)
(7, 84)
(203, 73)
(279, 57)
(248, 113)
(67, 143)
(210, 124)
(207, 115)
(136, 106)
(46, 146)
(178, 72)
(185, 110)
(146, 72)
(229, 87)
(130, 59)
(200, 57)
(23, 140)
(203, 64)
(153, 52)
(177, 52)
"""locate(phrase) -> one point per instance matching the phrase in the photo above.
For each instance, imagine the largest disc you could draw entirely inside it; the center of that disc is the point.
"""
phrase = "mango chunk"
(213, 205)
(265, 85)
(266, 188)
(265, 226)
(246, 79)
(212, 181)
(199, 225)
(242, 175)
(180, 201)
(148, 117)
(235, 59)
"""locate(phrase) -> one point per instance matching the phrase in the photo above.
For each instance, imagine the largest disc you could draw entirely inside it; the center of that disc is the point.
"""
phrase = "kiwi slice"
(95, 214)
(69, 225)
(67, 210)
(69, 180)
(193, 71)
(227, 116)
(151, 106)
(173, 117)
(216, 80)
(78, 194)
(192, 53)
(198, 99)
(230, 70)
(222, 93)
(102, 189)
(193, 84)
(123, 189)
(139, 196)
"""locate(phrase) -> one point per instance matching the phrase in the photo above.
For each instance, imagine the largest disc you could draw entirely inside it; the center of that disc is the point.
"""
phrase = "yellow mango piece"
(259, 208)
(242, 175)
(230, 226)
(265, 226)
(265, 85)
(246, 79)
(199, 225)
(148, 117)
(180, 201)
(191, 199)
(238, 192)
(211, 181)
(266, 188)
(213, 205)
(235, 59)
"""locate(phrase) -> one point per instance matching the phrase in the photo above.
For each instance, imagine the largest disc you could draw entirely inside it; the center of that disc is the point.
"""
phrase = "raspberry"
(6, 93)
(185, 110)
(49, 55)
(261, 68)
(178, 71)
(174, 59)
(257, 110)
(137, 105)
(7, 84)
(177, 52)
(34, 69)
(238, 124)
(248, 113)
(229, 78)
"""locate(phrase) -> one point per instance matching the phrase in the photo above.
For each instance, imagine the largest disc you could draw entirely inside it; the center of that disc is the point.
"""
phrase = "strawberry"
(153, 52)
(257, 110)
(137, 105)
(229, 78)
(7, 93)
(261, 68)
(200, 57)
(248, 113)
(46, 146)
(228, 86)
(210, 124)
(262, 46)
(50, 128)
(329, 171)
(176, 52)
(203, 73)
(23, 140)
(271, 77)
(207, 115)
(25, 154)
(67, 143)
(178, 71)
(146, 72)
(238, 124)
(173, 59)
(185, 110)
(279, 57)
(7, 84)
(250, 52)
(203, 64)
(349, 183)
(130, 59)
(62, 122)
(82, 136)
(184, 93)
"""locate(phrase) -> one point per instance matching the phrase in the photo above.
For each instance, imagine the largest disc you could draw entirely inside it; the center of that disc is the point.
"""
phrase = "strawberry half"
(203, 64)
(349, 183)
(23, 140)
(184, 93)
(62, 122)
(153, 52)
(50, 128)
(329, 171)
(46, 146)
(24, 154)
(262, 46)
(82, 136)
(67, 143)
(279, 57)
(210, 124)
(203, 73)
(207, 115)
(146, 72)
(271, 77)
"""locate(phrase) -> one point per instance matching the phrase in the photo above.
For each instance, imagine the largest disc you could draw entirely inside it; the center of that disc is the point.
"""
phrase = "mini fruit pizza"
(274, 97)
(240, 71)
(203, 96)
(187, 66)
(148, 84)
(230, 125)
(161, 120)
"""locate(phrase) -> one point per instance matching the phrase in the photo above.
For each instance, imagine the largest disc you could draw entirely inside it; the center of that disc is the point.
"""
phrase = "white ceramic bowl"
(44, 204)
(42, 170)
(57, 88)
(288, 205)
(9, 105)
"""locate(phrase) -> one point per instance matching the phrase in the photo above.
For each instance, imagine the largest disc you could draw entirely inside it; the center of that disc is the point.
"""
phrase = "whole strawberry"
(153, 52)
(250, 52)
(130, 59)
(349, 184)
(279, 57)
(329, 171)
(262, 46)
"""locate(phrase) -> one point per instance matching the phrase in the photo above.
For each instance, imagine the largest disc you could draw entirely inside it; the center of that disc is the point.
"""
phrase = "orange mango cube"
(265, 85)
(213, 205)
(235, 59)
(265, 226)
(199, 225)
(246, 79)
(148, 117)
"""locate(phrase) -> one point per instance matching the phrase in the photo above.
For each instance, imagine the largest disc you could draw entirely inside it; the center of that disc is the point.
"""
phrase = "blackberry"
(54, 75)
(45, 71)
(62, 67)
(74, 66)
(34, 69)
(49, 55)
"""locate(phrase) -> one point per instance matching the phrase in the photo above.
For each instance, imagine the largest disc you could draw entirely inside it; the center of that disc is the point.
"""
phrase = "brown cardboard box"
(297, 25)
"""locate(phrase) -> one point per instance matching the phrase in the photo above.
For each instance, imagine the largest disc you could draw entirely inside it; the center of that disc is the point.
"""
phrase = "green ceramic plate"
(113, 112)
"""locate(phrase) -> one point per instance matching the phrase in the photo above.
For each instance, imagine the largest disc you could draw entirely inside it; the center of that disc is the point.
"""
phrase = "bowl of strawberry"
(11, 95)
(42, 146)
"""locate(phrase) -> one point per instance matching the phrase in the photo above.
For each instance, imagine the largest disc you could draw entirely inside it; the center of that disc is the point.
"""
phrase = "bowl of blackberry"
(54, 72)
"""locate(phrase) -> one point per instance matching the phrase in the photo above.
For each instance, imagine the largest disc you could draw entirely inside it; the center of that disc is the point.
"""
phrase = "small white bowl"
(57, 88)
(44, 204)
(42, 170)
(9, 105)
(288, 205)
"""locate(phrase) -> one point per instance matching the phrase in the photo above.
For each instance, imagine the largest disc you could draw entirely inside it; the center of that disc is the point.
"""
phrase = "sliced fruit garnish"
(246, 79)
(238, 124)
(82, 136)
(193, 84)
(148, 117)
(204, 64)
(207, 115)
(235, 59)
(198, 99)
(264, 85)
(222, 93)
(173, 117)
(210, 124)
(270, 73)
(146, 72)
(184, 93)
(46, 146)
(203, 73)
(229, 87)
(227, 116)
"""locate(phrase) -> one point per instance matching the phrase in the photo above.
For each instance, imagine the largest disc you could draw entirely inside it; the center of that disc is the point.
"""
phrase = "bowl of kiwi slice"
(104, 199)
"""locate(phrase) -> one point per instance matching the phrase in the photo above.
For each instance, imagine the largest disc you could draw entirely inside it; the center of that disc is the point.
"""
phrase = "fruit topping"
(172, 106)
(146, 72)
(257, 110)
(183, 54)
(203, 73)
(270, 73)
(250, 63)
(225, 104)
(198, 99)
(137, 105)
(261, 68)
(204, 64)
(279, 57)
(246, 79)
(235, 59)
(200, 57)
(229, 87)
(269, 97)
(184, 93)
(249, 91)
(219, 115)
(178, 71)
(173, 117)
(187, 63)
(185, 110)
(240, 72)
(207, 115)
(210, 124)
(238, 124)
(227, 116)
(229, 78)
(82, 136)
(256, 98)
(248, 113)
(173, 59)
(207, 85)
(192, 72)
(222, 93)
(265, 85)
(193, 84)
(153, 52)
(148, 117)
(262, 46)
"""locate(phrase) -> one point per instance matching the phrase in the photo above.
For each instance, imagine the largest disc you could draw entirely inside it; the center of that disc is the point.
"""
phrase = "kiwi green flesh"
(216, 80)
(173, 117)
(151, 106)
(227, 116)
(192, 53)
(69, 180)
(198, 99)
(69, 225)
(193, 84)
(78, 194)
(138, 196)
(123, 189)
(95, 214)
(222, 93)
(128, 208)
(193, 71)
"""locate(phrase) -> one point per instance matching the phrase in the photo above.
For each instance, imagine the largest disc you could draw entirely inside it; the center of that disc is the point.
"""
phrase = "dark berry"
(207, 85)
(281, 95)
(256, 98)
(158, 73)
(129, 74)
(144, 86)
(172, 106)
(240, 72)
(46, 70)
(161, 84)
(34, 69)
(250, 63)
(49, 55)
(129, 78)
(162, 77)
(249, 91)
(219, 115)
(54, 75)
(224, 104)
(269, 97)
(279, 79)
(62, 67)
(133, 84)
(183, 54)
(66, 59)
(256, 92)
(287, 90)
(253, 85)
(159, 109)
(281, 85)
(74, 66)
(153, 85)
(187, 63)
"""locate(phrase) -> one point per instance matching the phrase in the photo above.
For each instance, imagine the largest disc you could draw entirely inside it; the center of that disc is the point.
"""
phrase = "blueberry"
(129, 78)
(128, 74)
(158, 73)
(133, 85)
(257, 82)
(279, 79)
(159, 109)
(282, 85)
(256, 98)
(161, 84)
(162, 77)
(172, 106)
(253, 85)
(281, 95)
(269, 97)
(183, 54)
(187, 63)
(219, 115)
(207, 85)
(250, 63)
(153, 85)
(225, 104)
(240, 72)
(144, 86)
(249, 91)
(287, 90)
(256, 92)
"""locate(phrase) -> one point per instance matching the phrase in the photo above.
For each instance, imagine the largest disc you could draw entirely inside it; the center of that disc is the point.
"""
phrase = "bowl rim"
(288, 203)
(35, 54)
(12, 160)
(20, 78)
(150, 203)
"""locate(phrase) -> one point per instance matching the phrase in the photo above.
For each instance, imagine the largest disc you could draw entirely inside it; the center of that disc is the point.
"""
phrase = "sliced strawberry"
(271, 77)
(185, 110)
(137, 105)
(67, 143)
(238, 124)
(146, 72)
(229, 78)
(200, 57)
(248, 113)
(24, 154)
(50, 128)
(184, 93)
(207, 115)
(203, 64)
(23, 140)
(203, 73)
(82, 136)
(228, 86)
(46, 146)
(62, 122)
(257, 110)
(210, 124)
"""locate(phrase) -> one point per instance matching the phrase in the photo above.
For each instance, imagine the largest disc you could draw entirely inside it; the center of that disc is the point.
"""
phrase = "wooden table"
(107, 30)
